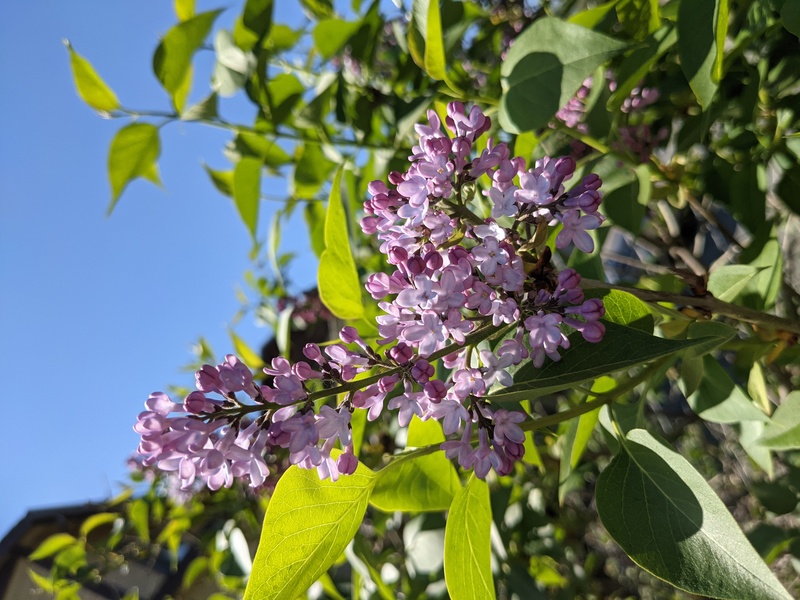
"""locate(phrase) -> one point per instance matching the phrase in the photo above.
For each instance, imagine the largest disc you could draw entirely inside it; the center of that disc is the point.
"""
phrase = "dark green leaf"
(790, 15)
(639, 62)
(775, 497)
(541, 73)
(467, 545)
(247, 192)
(91, 88)
(308, 524)
(173, 58)
(257, 17)
(697, 46)
(320, 9)
(337, 278)
(417, 484)
(621, 348)
(668, 520)
(133, 153)
(284, 92)
(639, 18)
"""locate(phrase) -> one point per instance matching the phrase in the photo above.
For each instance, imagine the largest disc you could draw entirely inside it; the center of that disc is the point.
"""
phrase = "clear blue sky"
(96, 312)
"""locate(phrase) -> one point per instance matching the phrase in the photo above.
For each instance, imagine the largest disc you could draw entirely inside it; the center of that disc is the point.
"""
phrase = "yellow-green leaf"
(133, 153)
(247, 191)
(467, 546)
(309, 523)
(53, 544)
(91, 87)
(337, 278)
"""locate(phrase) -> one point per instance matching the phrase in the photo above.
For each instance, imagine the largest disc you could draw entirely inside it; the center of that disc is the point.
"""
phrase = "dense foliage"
(579, 219)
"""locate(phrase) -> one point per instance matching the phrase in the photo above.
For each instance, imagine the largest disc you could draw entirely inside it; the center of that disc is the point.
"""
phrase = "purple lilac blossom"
(457, 271)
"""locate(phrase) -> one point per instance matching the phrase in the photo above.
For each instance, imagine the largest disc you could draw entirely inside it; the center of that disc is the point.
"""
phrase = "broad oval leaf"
(467, 544)
(669, 521)
(621, 348)
(91, 87)
(541, 72)
(308, 524)
(133, 153)
(424, 483)
(337, 278)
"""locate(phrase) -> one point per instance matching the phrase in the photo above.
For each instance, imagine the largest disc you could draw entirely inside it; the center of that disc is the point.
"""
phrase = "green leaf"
(697, 45)
(139, 515)
(692, 373)
(639, 62)
(257, 18)
(331, 34)
(775, 497)
(184, 9)
(727, 281)
(639, 18)
(312, 170)
(541, 73)
(757, 388)
(434, 60)
(97, 520)
(133, 153)
(574, 440)
(205, 109)
(790, 15)
(172, 60)
(719, 400)
(337, 278)
(417, 30)
(424, 483)
(783, 430)
(624, 309)
(715, 334)
(91, 87)
(243, 350)
(590, 18)
(222, 180)
(668, 520)
(467, 545)
(53, 544)
(621, 348)
(308, 524)
(247, 192)
(750, 439)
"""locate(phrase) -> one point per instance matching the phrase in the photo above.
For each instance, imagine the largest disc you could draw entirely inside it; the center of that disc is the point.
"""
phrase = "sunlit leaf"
(337, 278)
(669, 521)
(133, 153)
(418, 484)
(308, 524)
(467, 547)
(52, 545)
(719, 400)
(697, 46)
(331, 34)
(91, 88)
(247, 192)
(173, 57)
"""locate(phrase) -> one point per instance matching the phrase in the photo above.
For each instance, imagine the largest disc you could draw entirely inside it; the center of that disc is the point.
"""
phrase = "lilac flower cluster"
(466, 270)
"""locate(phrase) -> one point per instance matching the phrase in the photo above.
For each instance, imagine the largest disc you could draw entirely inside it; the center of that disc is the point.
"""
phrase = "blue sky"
(97, 312)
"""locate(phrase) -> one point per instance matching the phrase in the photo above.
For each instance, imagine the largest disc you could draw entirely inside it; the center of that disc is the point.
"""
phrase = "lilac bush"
(479, 292)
